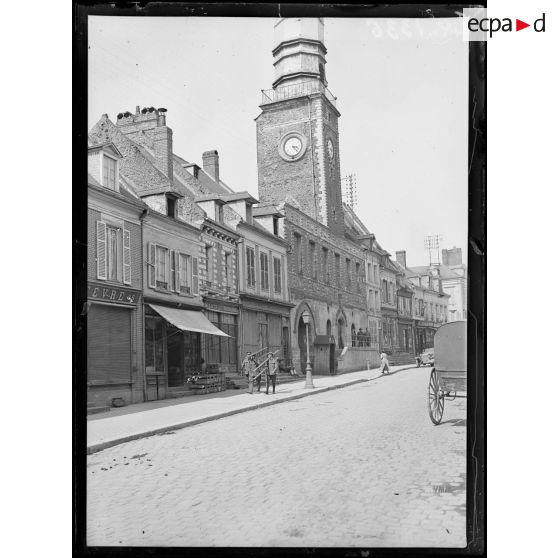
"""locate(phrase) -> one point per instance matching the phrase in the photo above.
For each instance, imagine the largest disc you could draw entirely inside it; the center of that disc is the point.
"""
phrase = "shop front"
(113, 359)
(173, 348)
(221, 352)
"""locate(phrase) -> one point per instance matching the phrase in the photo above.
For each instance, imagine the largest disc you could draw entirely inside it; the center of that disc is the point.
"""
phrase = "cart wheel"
(435, 398)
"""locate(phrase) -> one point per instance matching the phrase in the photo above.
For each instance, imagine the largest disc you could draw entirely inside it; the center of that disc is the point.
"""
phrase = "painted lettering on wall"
(112, 294)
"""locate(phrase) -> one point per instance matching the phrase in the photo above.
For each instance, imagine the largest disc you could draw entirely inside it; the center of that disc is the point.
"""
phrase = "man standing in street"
(272, 369)
(248, 366)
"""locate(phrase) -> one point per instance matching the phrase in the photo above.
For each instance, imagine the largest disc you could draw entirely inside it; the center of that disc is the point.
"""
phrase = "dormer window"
(109, 172)
(171, 207)
(275, 226)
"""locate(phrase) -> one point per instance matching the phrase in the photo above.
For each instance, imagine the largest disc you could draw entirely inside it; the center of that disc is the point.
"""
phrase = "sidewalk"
(114, 427)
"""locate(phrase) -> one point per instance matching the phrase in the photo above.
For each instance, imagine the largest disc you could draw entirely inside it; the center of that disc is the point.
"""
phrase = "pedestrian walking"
(384, 364)
(248, 367)
(272, 369)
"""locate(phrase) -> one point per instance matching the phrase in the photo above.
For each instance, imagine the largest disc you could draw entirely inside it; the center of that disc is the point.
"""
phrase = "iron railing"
(296, 90)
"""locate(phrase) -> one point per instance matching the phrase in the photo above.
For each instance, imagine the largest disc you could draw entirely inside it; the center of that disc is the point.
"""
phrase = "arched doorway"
(340, 331)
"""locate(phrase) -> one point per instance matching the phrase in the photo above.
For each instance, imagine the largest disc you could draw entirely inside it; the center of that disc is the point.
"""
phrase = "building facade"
(263, 282)
(454, 280)
(299, 172)
(114, 285)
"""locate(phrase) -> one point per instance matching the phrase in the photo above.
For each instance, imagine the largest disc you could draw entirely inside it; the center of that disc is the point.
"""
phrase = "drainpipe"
(143, 215)
(312, 152)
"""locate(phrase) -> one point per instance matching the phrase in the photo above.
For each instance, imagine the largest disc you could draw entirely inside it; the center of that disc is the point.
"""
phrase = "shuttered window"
(264, 271)
(194, 276)
(250, 267)
(126, 258)
(101, 250)
(184, 273)
(108, 344)
(277, 275)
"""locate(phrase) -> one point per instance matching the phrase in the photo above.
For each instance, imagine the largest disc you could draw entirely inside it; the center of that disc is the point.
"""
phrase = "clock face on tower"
(330, 149)
(292, 146)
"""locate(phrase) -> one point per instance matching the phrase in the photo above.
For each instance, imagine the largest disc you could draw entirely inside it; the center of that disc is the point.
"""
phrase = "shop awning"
(187, 320)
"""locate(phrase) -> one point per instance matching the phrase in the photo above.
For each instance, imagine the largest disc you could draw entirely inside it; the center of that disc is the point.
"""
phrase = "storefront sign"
(111, 294)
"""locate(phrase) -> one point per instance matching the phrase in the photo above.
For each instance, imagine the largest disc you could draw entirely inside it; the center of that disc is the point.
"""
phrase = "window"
(113, 253)
(325, 263)
(184, 273)
(275, 226)
(209, 264)
(277, 275)
(228, 269)
(222, 349)
(348, 272)
(161, 268)
(369, 270)
(264, 271)
(250, 267)
(312, 257)
(358, 277)
(109, 172)
(298, 253)
(338, 270)
(171, 207)
(375, 273)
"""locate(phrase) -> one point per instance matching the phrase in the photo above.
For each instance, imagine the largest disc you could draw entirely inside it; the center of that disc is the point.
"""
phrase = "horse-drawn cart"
(449, 374)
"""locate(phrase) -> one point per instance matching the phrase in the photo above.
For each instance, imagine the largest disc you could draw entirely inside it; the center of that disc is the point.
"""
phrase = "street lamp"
(306, 320)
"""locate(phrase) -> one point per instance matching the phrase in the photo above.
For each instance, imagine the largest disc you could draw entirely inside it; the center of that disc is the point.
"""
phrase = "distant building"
(454, 279)
(434, 301)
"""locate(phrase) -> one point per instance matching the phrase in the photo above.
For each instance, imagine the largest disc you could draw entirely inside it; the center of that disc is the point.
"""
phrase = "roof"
(108, 145)
(238, 196)
(269, 209)
(92, 181)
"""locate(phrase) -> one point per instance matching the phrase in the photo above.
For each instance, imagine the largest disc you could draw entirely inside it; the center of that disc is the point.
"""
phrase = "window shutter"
(173, 271)
(126, 259)
(101, 250)
(151, 265)
(194, 276)
(167, 269)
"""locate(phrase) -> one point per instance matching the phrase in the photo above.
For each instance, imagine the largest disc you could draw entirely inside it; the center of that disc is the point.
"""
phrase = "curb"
(193, 422)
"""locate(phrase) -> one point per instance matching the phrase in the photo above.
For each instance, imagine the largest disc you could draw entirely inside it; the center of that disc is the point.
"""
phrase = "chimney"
(148, 127)
(211, 164)
(452, 256)
(401, 257)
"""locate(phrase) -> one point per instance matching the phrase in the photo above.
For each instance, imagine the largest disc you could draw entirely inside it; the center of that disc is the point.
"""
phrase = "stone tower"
(297, 132)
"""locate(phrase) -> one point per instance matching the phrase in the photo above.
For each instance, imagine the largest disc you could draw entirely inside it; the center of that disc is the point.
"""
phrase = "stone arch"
(341, 328)
(300, 341)
(302, 306)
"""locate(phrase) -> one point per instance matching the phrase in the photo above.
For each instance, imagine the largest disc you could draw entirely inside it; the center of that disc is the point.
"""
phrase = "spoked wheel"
(435, 398)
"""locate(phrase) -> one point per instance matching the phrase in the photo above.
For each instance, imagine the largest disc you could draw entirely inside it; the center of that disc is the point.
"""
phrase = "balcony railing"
(296, 90)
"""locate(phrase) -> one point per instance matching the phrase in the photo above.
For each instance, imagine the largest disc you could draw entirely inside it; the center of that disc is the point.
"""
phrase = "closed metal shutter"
(108, 344)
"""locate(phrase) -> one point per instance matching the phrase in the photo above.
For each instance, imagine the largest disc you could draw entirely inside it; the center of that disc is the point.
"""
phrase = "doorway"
(175, 356)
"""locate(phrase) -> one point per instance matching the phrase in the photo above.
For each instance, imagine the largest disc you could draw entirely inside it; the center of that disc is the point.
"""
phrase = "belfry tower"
(297, 133)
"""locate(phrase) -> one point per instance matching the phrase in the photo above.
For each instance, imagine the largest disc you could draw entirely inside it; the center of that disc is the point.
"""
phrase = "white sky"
(401, 87)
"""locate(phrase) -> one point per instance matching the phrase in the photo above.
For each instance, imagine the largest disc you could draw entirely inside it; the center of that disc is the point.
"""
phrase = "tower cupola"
(299, 52)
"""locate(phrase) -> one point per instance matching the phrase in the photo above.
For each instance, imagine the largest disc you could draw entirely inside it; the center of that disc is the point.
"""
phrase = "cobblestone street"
(360, 466)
